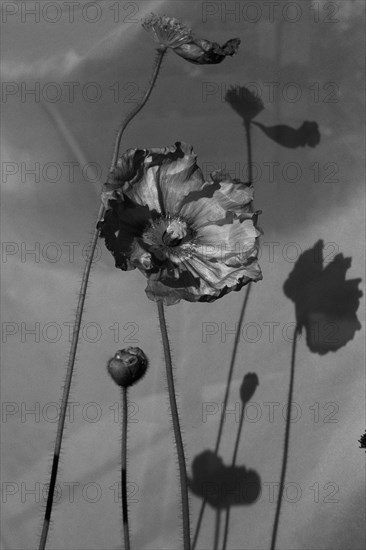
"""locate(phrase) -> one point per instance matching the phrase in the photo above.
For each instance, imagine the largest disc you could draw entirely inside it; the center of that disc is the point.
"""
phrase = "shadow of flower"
(307, 134)
(223, 486)
(246, 103)
(325, 302)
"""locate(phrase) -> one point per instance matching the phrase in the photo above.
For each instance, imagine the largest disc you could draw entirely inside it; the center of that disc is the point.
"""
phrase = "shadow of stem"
(223, 411)
(286, 442)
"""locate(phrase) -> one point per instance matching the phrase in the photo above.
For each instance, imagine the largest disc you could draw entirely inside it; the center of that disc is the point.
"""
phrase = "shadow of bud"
(248, 387)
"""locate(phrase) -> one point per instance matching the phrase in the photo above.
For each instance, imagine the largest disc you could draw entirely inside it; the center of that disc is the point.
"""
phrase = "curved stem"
(80, 307)
(176, 427)
(286, 443)
(126, 534)
(158, 61)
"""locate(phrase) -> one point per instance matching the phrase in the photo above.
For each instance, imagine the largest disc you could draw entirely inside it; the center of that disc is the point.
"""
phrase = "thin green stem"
(81, 303)
(176, 427)
(126, 532)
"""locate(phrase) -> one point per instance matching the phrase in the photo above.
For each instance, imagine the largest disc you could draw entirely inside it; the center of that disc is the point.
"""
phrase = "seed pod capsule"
(127, 366)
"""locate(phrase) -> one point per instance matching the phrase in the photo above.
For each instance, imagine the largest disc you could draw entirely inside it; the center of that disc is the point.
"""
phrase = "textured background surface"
(324, 504)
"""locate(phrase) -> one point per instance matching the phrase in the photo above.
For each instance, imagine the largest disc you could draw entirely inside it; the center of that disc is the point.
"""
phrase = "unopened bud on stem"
(127, 366)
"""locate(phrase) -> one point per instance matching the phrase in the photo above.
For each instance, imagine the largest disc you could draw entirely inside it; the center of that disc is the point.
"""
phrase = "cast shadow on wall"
(219, 485)
(224, 486)
(325, 302)
(248, 105)
(325, 305)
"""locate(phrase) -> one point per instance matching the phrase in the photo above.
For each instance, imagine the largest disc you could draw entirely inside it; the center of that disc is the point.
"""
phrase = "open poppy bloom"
(168, 32)
(193, 240)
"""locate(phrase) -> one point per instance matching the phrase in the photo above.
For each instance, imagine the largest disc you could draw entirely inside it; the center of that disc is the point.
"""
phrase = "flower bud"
(127, 366)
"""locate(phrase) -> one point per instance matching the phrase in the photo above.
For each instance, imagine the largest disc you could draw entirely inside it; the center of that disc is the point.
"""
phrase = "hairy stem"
(66, 390)
(158, 61)
(81, 302)
(176, 427)
(126, 533)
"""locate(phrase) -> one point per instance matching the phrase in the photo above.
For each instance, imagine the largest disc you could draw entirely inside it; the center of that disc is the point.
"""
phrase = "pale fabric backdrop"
(39, 211)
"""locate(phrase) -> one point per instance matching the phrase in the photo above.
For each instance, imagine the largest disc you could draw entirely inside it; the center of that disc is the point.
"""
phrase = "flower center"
(174, 233)
(167, 237)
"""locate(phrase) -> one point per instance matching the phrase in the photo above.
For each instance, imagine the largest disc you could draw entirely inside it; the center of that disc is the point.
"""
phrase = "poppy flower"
(193, 239)
(168, 32)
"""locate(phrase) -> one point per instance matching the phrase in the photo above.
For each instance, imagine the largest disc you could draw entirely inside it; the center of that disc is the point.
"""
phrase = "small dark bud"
(127, 366)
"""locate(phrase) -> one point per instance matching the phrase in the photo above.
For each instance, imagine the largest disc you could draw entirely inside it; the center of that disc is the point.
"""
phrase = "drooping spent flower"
(127, 366)
(193, 239)
(168, 32)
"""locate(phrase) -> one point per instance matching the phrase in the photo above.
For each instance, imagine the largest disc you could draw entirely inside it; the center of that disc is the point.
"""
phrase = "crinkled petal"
(227, 196)
(232, 195)
(193, 240)
(169, 175)
(204, 52)
(231, 243)
(122, 225)
(179, 177)
(202, 281)
(145, 190)
(214, 276)
(129, 168)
